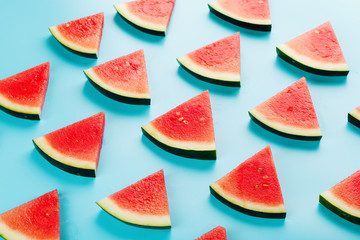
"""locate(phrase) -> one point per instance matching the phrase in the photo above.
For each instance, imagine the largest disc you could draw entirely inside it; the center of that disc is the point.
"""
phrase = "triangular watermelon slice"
(123, 79)
(218, 233)
(354, 117)
(186, 130)
(23, 94)
(244, 13)
(143, 203)
(290, 113)
(252, 187)
(37, 219)
(217, 63)
(81, 36)
(316, 51)
(150, 16)
(344, 198)
(76, 147)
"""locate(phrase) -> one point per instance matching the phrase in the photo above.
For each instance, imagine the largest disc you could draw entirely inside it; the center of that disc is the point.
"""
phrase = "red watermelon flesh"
(344, 198)
(290, 112)
(142, 203)
(125, 76)
(218, 233)
(24, 93)
(252, 187)
(37, 219)
(77, 145)
(81, 35)
(151, 15)
(219, 61)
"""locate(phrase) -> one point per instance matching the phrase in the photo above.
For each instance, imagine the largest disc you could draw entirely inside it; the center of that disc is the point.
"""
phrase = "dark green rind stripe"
(119, 98)
(338, 211)
(67, 168)
(283, 134)
(82, 54)
(20, 114)
(197, 154)
(252, 26)
(134, 224)
(353, 120)
(245, 210)
(307, 68)
(143, 29)
(211, 80)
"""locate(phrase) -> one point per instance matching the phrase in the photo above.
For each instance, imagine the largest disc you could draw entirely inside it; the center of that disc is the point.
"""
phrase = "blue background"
(305, 169)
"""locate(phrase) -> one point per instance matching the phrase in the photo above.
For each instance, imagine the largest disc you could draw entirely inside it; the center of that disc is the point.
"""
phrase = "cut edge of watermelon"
(224, 79)
(354, 118)
(134, 218)
(253, 209)
(285, 131)
(8, 233)
(19, 110)
(254, 24)
(339, 207)
(185, 149)
(115, 93)
(66, 163)
(152, 28)
(73, 47)
(307, 64)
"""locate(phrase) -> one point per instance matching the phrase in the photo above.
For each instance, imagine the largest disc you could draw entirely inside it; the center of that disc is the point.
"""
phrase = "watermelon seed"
(316, 31)
(181, 118)
(265, 177)
(265, 185)
(67, 25)
(127, 63)
(256, 186)
(178, 113)
(259, 169)
(186, 122)
(202, 119)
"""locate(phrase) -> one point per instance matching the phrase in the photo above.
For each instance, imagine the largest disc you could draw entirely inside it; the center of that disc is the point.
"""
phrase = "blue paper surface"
(305, 169)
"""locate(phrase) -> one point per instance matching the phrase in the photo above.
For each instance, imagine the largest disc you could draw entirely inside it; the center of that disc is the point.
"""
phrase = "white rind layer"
(18, 107)
(335, 201)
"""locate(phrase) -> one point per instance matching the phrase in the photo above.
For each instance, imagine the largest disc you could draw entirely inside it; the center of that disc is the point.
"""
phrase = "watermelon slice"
(23, 94)
(217, 63)
(123, 79)
(76, 147)
(244, 13)
(344, 198)
(150, 16)
(316, 51)
(186, 130)
(81, 36)
(354, 117)
(252, 187)
(218, 233)
(37, 219)
(290, 113)
(143, 203)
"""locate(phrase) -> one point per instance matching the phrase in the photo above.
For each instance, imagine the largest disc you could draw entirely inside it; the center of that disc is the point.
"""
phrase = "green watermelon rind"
(18, 110)
(146, 221)
(8, 233)
(116, 94)
(354, 118)
(309, 65)
(253, 24)
(180, 148)
(223, 79)
(65, 163)
(337, 206)
(252, 209)
(155, 29)
(72, 47)
(285, 131)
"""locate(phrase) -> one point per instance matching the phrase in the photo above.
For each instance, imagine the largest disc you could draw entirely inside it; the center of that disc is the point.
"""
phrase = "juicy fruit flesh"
(258, 9)
(81, 139)
(28, 87)
(152, 11)
(147, 196)
(127, 73)
(348, 190)
(292, 107)
(38, 219)
(214, 55)
(218, 233)
(84, 31)
(254, 181)
(191, 121)
(319, 44)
